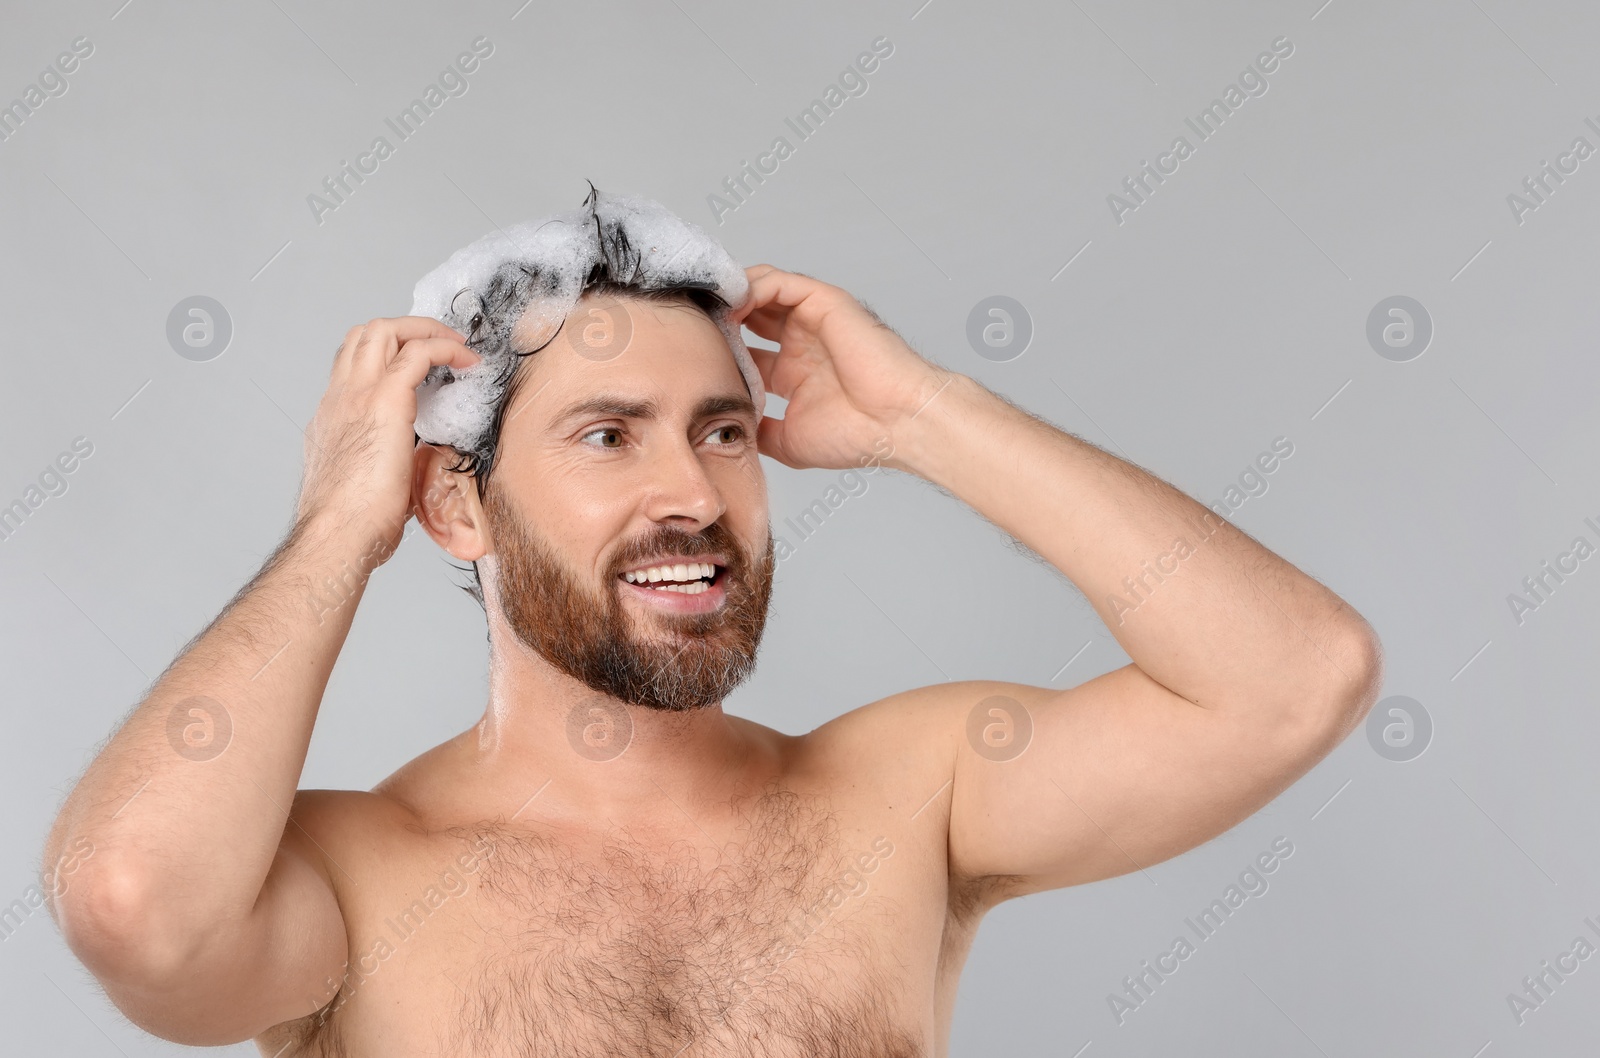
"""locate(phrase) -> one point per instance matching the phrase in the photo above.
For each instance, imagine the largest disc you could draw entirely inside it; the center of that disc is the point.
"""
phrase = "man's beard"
(684, 662)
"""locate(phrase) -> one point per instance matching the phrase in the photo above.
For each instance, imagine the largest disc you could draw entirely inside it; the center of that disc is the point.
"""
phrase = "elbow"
(111, 918)
(1330, 700)
(116, 923)
(1356, 682)
(1367, 672)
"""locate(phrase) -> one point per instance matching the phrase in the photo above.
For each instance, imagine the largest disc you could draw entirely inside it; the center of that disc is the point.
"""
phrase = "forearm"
(185, 807)
(1198, 606)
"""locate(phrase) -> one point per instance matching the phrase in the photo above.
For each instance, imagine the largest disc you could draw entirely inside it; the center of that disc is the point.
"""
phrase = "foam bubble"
(534, 273)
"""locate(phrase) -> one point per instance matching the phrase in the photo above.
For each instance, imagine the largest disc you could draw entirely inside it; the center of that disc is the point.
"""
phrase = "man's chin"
(680, 672)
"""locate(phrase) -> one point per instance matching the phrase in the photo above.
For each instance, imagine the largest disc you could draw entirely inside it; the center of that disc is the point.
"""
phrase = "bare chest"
(782, 943)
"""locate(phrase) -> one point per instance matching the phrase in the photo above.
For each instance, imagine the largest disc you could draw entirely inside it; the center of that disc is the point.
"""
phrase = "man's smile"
(682, 587)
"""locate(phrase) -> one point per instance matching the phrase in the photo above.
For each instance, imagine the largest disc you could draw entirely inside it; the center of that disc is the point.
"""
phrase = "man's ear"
(446, 502)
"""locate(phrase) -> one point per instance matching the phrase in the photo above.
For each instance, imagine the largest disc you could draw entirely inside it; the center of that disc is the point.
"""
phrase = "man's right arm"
(192, 909)
(204, 910)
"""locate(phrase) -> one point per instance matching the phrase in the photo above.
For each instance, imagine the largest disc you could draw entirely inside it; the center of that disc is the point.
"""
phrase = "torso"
(824, 928)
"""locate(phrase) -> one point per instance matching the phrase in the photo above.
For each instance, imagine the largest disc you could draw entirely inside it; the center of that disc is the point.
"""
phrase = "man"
(608, 863)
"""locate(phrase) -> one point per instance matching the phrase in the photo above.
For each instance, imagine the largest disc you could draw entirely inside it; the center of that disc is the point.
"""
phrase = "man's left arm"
(1245, 671)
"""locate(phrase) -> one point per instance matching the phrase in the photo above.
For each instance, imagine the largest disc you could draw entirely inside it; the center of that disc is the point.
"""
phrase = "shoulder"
(358, 823)
(933, 712)
(907, 738)
(328, 824)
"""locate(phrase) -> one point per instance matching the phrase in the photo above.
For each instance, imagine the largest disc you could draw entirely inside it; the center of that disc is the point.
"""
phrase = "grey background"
(1227, 311)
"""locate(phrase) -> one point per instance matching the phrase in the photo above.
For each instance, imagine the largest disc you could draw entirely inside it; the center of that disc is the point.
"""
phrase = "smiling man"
(609, 862)
(584, 456)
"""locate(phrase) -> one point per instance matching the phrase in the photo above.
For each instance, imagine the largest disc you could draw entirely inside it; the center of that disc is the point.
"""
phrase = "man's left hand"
(848, 379)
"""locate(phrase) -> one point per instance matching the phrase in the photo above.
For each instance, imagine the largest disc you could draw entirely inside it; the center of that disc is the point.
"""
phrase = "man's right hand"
(358, 448)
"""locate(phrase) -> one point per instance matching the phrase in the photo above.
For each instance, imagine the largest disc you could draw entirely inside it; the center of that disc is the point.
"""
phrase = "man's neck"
(585, 757)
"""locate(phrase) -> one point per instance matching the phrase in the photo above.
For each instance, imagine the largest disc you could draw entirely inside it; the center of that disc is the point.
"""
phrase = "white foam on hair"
(533, 273)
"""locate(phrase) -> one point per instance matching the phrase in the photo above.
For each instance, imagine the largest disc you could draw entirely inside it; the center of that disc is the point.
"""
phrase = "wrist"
(326, 567)
(324, 539)
(924, 441)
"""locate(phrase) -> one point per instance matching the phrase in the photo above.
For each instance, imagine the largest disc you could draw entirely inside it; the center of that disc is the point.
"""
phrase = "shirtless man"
(608, 863)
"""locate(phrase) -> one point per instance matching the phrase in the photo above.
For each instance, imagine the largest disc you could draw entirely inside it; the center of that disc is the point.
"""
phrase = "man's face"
(614, 460)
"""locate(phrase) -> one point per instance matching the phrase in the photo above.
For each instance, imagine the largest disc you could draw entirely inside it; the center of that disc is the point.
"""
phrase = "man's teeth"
(689, 577)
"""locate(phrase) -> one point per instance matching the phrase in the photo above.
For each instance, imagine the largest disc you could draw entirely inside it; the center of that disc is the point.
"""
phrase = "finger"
(778, 295)
(413, 359)
(766, 323)
(769, 441)
(760, 280)
(381, 339)
(341, 355)
(754, 272)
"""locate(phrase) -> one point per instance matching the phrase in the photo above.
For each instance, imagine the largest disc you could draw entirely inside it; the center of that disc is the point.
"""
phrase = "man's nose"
(681, 486)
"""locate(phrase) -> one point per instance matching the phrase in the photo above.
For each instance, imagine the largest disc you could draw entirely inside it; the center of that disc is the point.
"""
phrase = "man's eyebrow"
(622, 407)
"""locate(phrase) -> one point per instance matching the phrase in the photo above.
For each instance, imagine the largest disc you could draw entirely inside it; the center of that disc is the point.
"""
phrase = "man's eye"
(612, 430)
(736, 430)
